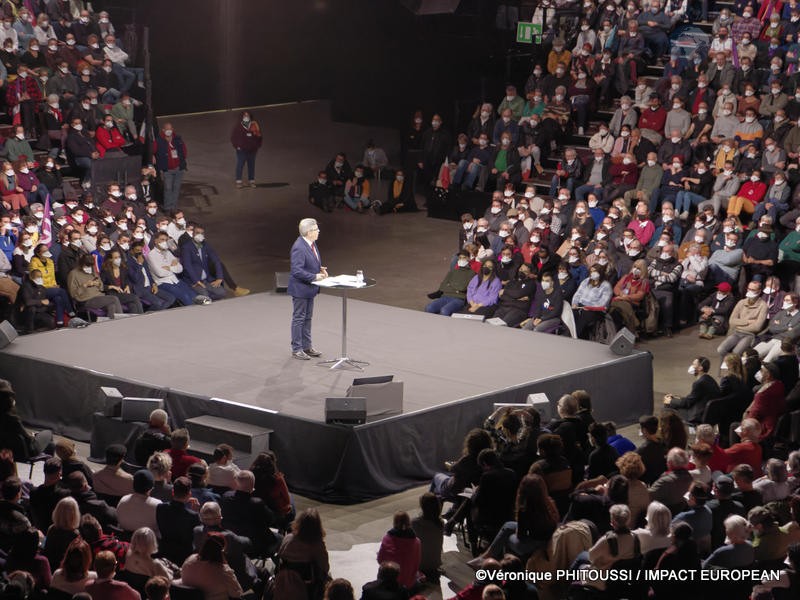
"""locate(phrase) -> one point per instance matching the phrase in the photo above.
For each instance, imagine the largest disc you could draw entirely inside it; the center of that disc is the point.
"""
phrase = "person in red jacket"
(751, 193)
(769, 403)
(107, 137)
(181, 459)
(246, 139)
(653, 118)
(401, 545)
(748, 451)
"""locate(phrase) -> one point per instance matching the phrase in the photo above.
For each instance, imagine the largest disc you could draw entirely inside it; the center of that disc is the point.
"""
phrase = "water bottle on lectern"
(360, 277)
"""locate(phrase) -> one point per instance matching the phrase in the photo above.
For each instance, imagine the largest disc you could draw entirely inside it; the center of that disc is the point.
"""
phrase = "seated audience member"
(401, 546)
(670, 487)
(698, 515)
(320, 193)
(515, 301)
(774, 485)
(208, 570)
(111, 481)
(202, 267)
(115, 280)
(655, 534)
(236, 546)
(602, 459)
(25, 556)
(222, 471)
(399, 196)
(546, 306)
(142, 281)
(652, 450)
(246, 514)
(746, 320)
(737, 552)
(357, 190)
(176, 521)
(74, 575)
(743, 476)
(88, 502)
(66, 518)
(591, 301)
(770, 543)
(33, 305)
(270, 486)
(704, 388)
(179, 453)
(140, 558)
(71, 461)
(138, 509)
(86, 289)
(769, 402)
(387, 586)
(105, 586)
(305, 553)
(429, 529)
(153, 439)
(465, 471)
(43, 499)
(452, 293)
(165, 268)
(160, 465)
(714, 312)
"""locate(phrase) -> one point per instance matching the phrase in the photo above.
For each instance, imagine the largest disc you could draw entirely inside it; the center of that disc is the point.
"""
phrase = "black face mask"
(487, 270)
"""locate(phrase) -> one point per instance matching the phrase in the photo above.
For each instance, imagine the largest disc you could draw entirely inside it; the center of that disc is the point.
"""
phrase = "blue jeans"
(685, 199)
(354, 203)
(302, 311)
(242, 158)
(181, 290)
(580, 193)
(84, 163)
(554, 185)
(159, 301)
(126, 76)
(172, 188)
(60, 298)
(446, 305)
(507, 538)
(215, 293)
(762, 210)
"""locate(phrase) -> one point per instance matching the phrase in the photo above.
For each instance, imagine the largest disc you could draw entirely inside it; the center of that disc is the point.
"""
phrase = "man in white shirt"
(166, 268)
(139, 509)
(119, 58)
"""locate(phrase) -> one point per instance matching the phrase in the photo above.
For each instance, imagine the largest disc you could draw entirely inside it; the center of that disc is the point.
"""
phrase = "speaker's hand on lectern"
(324, 272)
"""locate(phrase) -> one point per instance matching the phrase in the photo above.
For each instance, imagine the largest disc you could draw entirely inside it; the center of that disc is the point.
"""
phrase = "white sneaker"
(580, 130)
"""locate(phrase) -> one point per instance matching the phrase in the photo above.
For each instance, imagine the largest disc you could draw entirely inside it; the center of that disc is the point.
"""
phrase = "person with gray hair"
(737, 553)
(306, 268)
(655, 535)
(236, 546)
(248, 515)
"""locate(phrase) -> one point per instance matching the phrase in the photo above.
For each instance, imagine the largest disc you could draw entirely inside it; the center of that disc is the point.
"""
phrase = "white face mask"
(626, 161)
(594, 275)
(692, 370)
(38, 281)
(105, 247)
(677, 166)
(788, 306)
(563, 275)
(751, 295)
(87, 270)
(759, 377)
(755, 178)
(495, 210)
(768, 290)
(665, 256)
(162, 245)
(721, 296)
(749, 119)
(726, 112)
(503, 233)
(463, 262)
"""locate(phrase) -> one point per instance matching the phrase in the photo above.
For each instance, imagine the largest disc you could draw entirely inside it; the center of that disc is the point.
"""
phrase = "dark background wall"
(374, 59)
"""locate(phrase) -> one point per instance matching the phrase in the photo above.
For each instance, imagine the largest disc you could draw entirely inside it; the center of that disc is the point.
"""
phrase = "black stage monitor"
(368, 380)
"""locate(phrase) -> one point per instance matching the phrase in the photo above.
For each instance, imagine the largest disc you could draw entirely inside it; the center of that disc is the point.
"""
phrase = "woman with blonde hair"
(139, 559)
(66, 518)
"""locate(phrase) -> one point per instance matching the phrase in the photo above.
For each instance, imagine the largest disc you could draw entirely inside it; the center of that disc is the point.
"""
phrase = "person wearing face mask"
(769, 402)
(81, 150)
(747, 319)
(714, 312)
(704, 388)
(320, 193)
(42, 261)
(246, 140)
(142, 282)
(452, 292)
(338, 172)
(547, 306)
(647, 184)
(652, 118)
(8, 286)
(33, 309)
(749, 131)
(411, 142)
(602, 140)
(504, 165)
(695, 269)
(166, 269)
(13, 195)
(87, 291)
(748, 196)
(696, 188)
(582, 93)
(558, 54)
(596, 175)
(569, 173)
(202, 267)
(122, 113)
(726, 184)
(590, 302)
(483, 121)
(170, 162)
(624, 115)
(483, 291)
(114, 276)
(86, 112)
(356, 191)
(119, 59)
(399, 195)
(436, 142)
(665, 273)
(783, 326)
(760, 252)
(69, 256)
(720, 72)
(624, 177)
(629, 297)
(17, 145)
(506, 124)
(776, 200)
(515, 298)
(24, 93)
(30, 185)
(773, 158)
(779, 127)
(512, 101)
(470, 168)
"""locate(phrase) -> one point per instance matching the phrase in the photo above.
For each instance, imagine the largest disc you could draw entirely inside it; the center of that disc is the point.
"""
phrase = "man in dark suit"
(142, 282)
(247, 515)
(306, 267)
(176, 522)
(704, 388)
(199, 262)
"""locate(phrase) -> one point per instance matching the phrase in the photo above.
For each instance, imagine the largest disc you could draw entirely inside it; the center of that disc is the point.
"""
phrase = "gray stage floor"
(238, 350)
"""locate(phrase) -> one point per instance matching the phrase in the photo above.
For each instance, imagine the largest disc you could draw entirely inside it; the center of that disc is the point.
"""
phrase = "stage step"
(245, 438)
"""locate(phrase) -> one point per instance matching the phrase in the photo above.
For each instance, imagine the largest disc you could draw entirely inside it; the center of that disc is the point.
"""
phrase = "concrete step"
(246, 438)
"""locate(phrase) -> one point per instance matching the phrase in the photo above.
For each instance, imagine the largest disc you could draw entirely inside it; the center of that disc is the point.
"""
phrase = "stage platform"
(232, 359)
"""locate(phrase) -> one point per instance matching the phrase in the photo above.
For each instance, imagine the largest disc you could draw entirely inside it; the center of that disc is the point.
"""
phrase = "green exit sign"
(529, 33)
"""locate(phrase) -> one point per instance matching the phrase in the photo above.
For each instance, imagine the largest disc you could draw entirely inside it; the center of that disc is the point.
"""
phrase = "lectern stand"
(344, 361)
